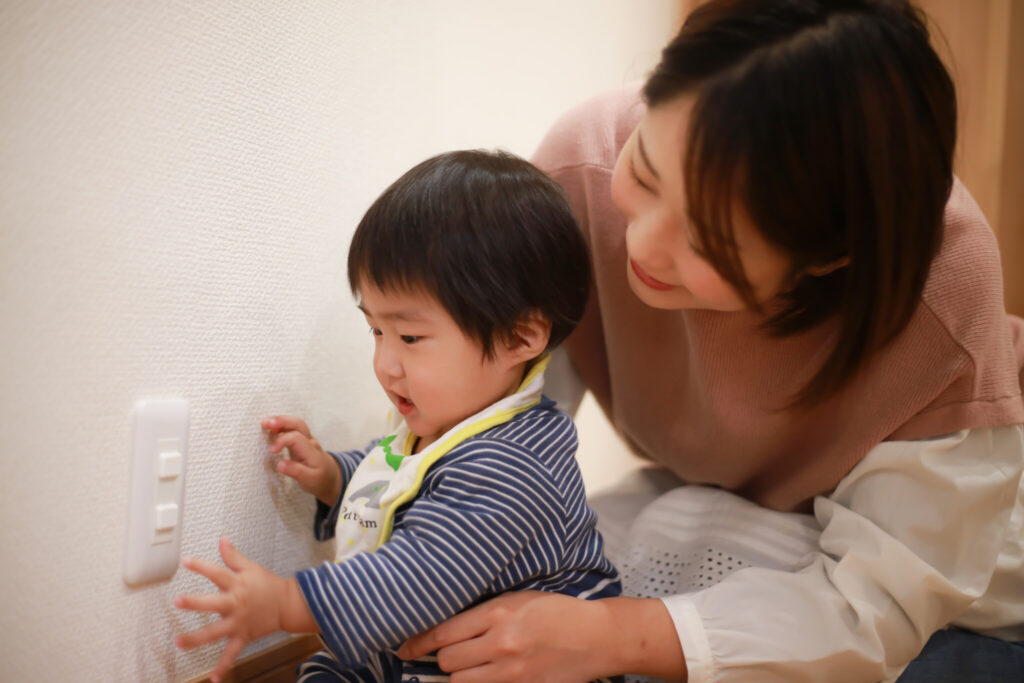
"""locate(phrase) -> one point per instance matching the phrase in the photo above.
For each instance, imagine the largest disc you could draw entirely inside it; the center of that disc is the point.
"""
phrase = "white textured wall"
(178, 185)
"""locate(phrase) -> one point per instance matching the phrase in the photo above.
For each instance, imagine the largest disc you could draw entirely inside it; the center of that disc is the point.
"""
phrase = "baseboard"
(274, 665)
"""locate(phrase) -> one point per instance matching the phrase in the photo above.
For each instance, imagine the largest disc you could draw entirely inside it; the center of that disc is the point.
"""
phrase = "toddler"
(468, 269)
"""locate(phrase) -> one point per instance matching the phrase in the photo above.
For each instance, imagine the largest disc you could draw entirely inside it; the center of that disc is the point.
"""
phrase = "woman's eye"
(636, 178)
(410, 339)
(697, 251)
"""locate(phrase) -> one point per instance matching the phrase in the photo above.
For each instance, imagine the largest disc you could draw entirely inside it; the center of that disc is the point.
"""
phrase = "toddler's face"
(432, 372)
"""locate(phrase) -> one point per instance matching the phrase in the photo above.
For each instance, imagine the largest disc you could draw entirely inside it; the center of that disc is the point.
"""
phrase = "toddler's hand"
(315, 471)
(250, 604)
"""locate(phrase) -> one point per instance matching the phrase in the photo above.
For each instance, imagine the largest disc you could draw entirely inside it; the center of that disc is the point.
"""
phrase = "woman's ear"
(529, 338)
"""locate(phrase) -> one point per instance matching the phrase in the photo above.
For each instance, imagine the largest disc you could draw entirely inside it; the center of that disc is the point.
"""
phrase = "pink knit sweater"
(701, 392)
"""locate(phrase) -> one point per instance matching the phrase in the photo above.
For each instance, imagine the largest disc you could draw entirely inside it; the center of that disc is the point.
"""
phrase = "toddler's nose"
(387, 364)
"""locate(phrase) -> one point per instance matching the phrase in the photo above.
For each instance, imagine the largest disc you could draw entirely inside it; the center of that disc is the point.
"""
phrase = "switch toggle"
(159, 457)
(166, 516)
(170, 460)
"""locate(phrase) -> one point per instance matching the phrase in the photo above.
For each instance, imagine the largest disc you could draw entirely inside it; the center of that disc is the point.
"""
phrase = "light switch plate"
(159, 456)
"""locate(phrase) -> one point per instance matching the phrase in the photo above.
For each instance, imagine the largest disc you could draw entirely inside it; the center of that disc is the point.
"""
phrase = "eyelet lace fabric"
(668, 538)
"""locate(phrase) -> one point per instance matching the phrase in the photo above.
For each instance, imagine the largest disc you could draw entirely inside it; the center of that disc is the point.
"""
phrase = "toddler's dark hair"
(487, 234)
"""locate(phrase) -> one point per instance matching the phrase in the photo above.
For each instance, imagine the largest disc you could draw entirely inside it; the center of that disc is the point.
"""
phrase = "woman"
(797, 304)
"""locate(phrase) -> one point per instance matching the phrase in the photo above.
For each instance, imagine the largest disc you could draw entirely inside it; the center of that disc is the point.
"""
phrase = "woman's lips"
(651, 282)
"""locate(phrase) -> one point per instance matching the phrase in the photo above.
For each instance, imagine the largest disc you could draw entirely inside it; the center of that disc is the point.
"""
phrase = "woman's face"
(664, 270)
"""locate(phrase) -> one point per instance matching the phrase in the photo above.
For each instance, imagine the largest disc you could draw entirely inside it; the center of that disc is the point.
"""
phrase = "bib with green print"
(391, 475)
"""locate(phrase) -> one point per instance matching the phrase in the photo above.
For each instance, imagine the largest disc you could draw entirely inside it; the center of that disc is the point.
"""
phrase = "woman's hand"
(533, 636)
(252, 603)
(522, 636)
(315, 471)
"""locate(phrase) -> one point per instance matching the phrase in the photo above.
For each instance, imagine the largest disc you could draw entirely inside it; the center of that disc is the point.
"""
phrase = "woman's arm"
(534, 636)
(910, 539)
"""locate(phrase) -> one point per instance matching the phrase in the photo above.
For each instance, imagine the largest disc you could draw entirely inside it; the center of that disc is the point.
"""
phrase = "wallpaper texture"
(178, 185)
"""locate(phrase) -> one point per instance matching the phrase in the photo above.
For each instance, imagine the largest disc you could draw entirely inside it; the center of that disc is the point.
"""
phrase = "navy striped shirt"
(503, 510)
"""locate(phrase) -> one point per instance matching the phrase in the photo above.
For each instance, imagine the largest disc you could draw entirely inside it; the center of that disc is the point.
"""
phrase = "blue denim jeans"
(957, 656)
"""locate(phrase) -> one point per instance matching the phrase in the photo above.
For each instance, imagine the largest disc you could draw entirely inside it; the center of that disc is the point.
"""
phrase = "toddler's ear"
(530, 338)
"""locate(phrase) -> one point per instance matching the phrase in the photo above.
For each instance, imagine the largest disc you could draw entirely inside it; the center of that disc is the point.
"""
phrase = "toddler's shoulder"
(535, 435)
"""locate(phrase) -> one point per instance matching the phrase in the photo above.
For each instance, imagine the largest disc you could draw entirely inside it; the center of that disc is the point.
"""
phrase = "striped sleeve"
(327, 515)
(491, 510)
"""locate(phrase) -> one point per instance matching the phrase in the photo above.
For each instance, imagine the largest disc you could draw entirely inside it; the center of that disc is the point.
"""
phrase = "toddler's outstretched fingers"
(232, 558)
(203, 603)
(231, 651)
(286, 423)
(215, 631)
(219, 575)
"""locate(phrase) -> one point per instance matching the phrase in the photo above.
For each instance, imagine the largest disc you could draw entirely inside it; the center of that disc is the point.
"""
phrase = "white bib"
(390, 475)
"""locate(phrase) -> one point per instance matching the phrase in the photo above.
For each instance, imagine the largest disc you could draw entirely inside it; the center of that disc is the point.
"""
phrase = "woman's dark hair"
(487, 234)
(832, 124)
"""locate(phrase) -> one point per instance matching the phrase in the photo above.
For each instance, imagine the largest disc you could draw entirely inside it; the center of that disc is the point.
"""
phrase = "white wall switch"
(159, 455)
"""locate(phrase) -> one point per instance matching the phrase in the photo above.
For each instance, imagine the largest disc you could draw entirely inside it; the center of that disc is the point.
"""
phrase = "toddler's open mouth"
(404, 405)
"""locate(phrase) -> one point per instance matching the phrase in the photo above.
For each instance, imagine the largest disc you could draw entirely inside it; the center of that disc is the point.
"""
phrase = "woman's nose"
(646, 242)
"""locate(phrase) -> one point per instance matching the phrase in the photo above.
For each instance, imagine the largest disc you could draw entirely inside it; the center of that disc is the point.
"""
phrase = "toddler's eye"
(375, 332)
(410, 339)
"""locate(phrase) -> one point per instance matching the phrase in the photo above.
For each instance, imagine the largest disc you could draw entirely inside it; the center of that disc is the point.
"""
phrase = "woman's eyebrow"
(643, 155)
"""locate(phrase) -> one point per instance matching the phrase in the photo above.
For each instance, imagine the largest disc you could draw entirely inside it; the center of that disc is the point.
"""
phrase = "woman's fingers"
(215, 631)
(285, 423)
(221, 576)
(469, 624)
(489, 673)
(467, 654)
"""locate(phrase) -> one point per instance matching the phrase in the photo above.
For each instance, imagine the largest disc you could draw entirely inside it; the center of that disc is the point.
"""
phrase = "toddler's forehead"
(402, 304)
(397, 293)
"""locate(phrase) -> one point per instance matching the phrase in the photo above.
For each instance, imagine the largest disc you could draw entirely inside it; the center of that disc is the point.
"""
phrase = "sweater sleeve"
(910, 539)
(327, 515)
(472, 521)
